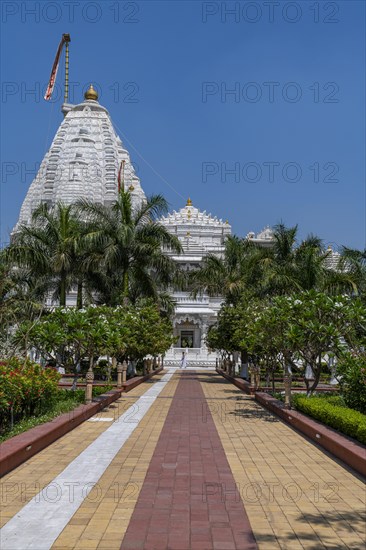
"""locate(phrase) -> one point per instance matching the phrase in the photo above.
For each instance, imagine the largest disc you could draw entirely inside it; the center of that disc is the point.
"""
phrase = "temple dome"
(199, 232)
(263, 238)
(332, 260)
(91, 93)
(82, 162)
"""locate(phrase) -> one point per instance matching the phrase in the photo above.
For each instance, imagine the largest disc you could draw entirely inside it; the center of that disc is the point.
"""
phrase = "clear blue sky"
(293, 132)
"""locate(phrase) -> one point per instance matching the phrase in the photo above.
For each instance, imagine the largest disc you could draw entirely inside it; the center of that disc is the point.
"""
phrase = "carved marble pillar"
(287, 379)
(89, 386)
(119, 375)
(124, 372)
(257, 377)
(149, 366)
(252, 375)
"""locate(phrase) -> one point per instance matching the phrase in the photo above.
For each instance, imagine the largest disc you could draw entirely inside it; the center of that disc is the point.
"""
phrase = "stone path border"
(189, 498)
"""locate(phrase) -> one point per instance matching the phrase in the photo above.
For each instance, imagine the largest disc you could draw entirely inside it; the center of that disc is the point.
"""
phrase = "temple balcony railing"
(196, 356)
(186, 298)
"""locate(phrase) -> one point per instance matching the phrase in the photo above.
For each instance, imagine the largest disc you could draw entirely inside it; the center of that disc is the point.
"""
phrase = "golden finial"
(91, 93)
(188, 234)
(189, 202)
(226, 223)
(131, 188)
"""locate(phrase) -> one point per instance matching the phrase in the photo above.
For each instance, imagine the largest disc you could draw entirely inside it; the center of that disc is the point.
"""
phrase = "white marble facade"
(83, 162)
(200, 234)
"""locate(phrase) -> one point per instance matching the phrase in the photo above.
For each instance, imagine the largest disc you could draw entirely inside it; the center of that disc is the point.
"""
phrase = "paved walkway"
(185, 461)
(181, 504)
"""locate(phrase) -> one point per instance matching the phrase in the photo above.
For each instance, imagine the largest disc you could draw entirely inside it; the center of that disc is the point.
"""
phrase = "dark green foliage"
(343, 419)
(353, 371)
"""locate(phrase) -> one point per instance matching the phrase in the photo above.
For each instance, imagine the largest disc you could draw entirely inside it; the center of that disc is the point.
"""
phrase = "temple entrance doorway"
(189, 335)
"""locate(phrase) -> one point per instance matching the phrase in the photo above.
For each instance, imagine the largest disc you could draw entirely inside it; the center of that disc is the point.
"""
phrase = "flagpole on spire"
(67, 40)
(64, 40)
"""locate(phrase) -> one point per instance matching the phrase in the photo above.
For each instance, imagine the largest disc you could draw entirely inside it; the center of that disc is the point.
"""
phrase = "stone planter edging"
(349, 451)
(127, 384)
(20, 448)
(247, 388)
(238, 382)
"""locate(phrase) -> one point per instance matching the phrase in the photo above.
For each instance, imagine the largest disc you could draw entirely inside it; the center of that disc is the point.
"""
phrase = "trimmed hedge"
(343, 419)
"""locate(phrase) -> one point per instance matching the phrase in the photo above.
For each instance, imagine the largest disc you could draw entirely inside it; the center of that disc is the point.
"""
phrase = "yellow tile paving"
(295, 495)
(22, 484)
(102, 519)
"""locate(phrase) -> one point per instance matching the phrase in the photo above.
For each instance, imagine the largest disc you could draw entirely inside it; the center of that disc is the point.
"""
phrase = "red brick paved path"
(188, 499)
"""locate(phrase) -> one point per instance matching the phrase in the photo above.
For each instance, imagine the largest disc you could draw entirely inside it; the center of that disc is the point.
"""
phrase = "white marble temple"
(200, 234)
(82, 162)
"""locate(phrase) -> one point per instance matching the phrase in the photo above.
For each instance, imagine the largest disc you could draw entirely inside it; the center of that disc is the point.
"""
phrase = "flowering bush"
(25, 390)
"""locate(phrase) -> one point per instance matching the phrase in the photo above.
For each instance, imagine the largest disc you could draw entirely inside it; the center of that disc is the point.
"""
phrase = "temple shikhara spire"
(87, 160)
(83, 161)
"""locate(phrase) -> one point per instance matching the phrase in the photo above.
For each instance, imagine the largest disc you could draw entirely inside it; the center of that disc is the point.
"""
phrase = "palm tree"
(48, 250)
(231, 274)
(288, 267)
(18, 302)
(310, 260)
(247, 267)
(353, 263)
(127, 247)
(278, 263)
(282, 268)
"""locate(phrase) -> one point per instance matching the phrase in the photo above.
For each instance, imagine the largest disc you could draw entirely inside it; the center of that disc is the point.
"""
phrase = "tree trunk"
(63, 290)
(25, 350)
(317, 371)
(79, 299)
(307, 386)
(268, 374)
(244, 356)
(125, 285)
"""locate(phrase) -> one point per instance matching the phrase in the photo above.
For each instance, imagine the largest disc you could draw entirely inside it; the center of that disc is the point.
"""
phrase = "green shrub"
(332, 399)
(79, 394)
(353, 371)
(339, 417)
(99, 390)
